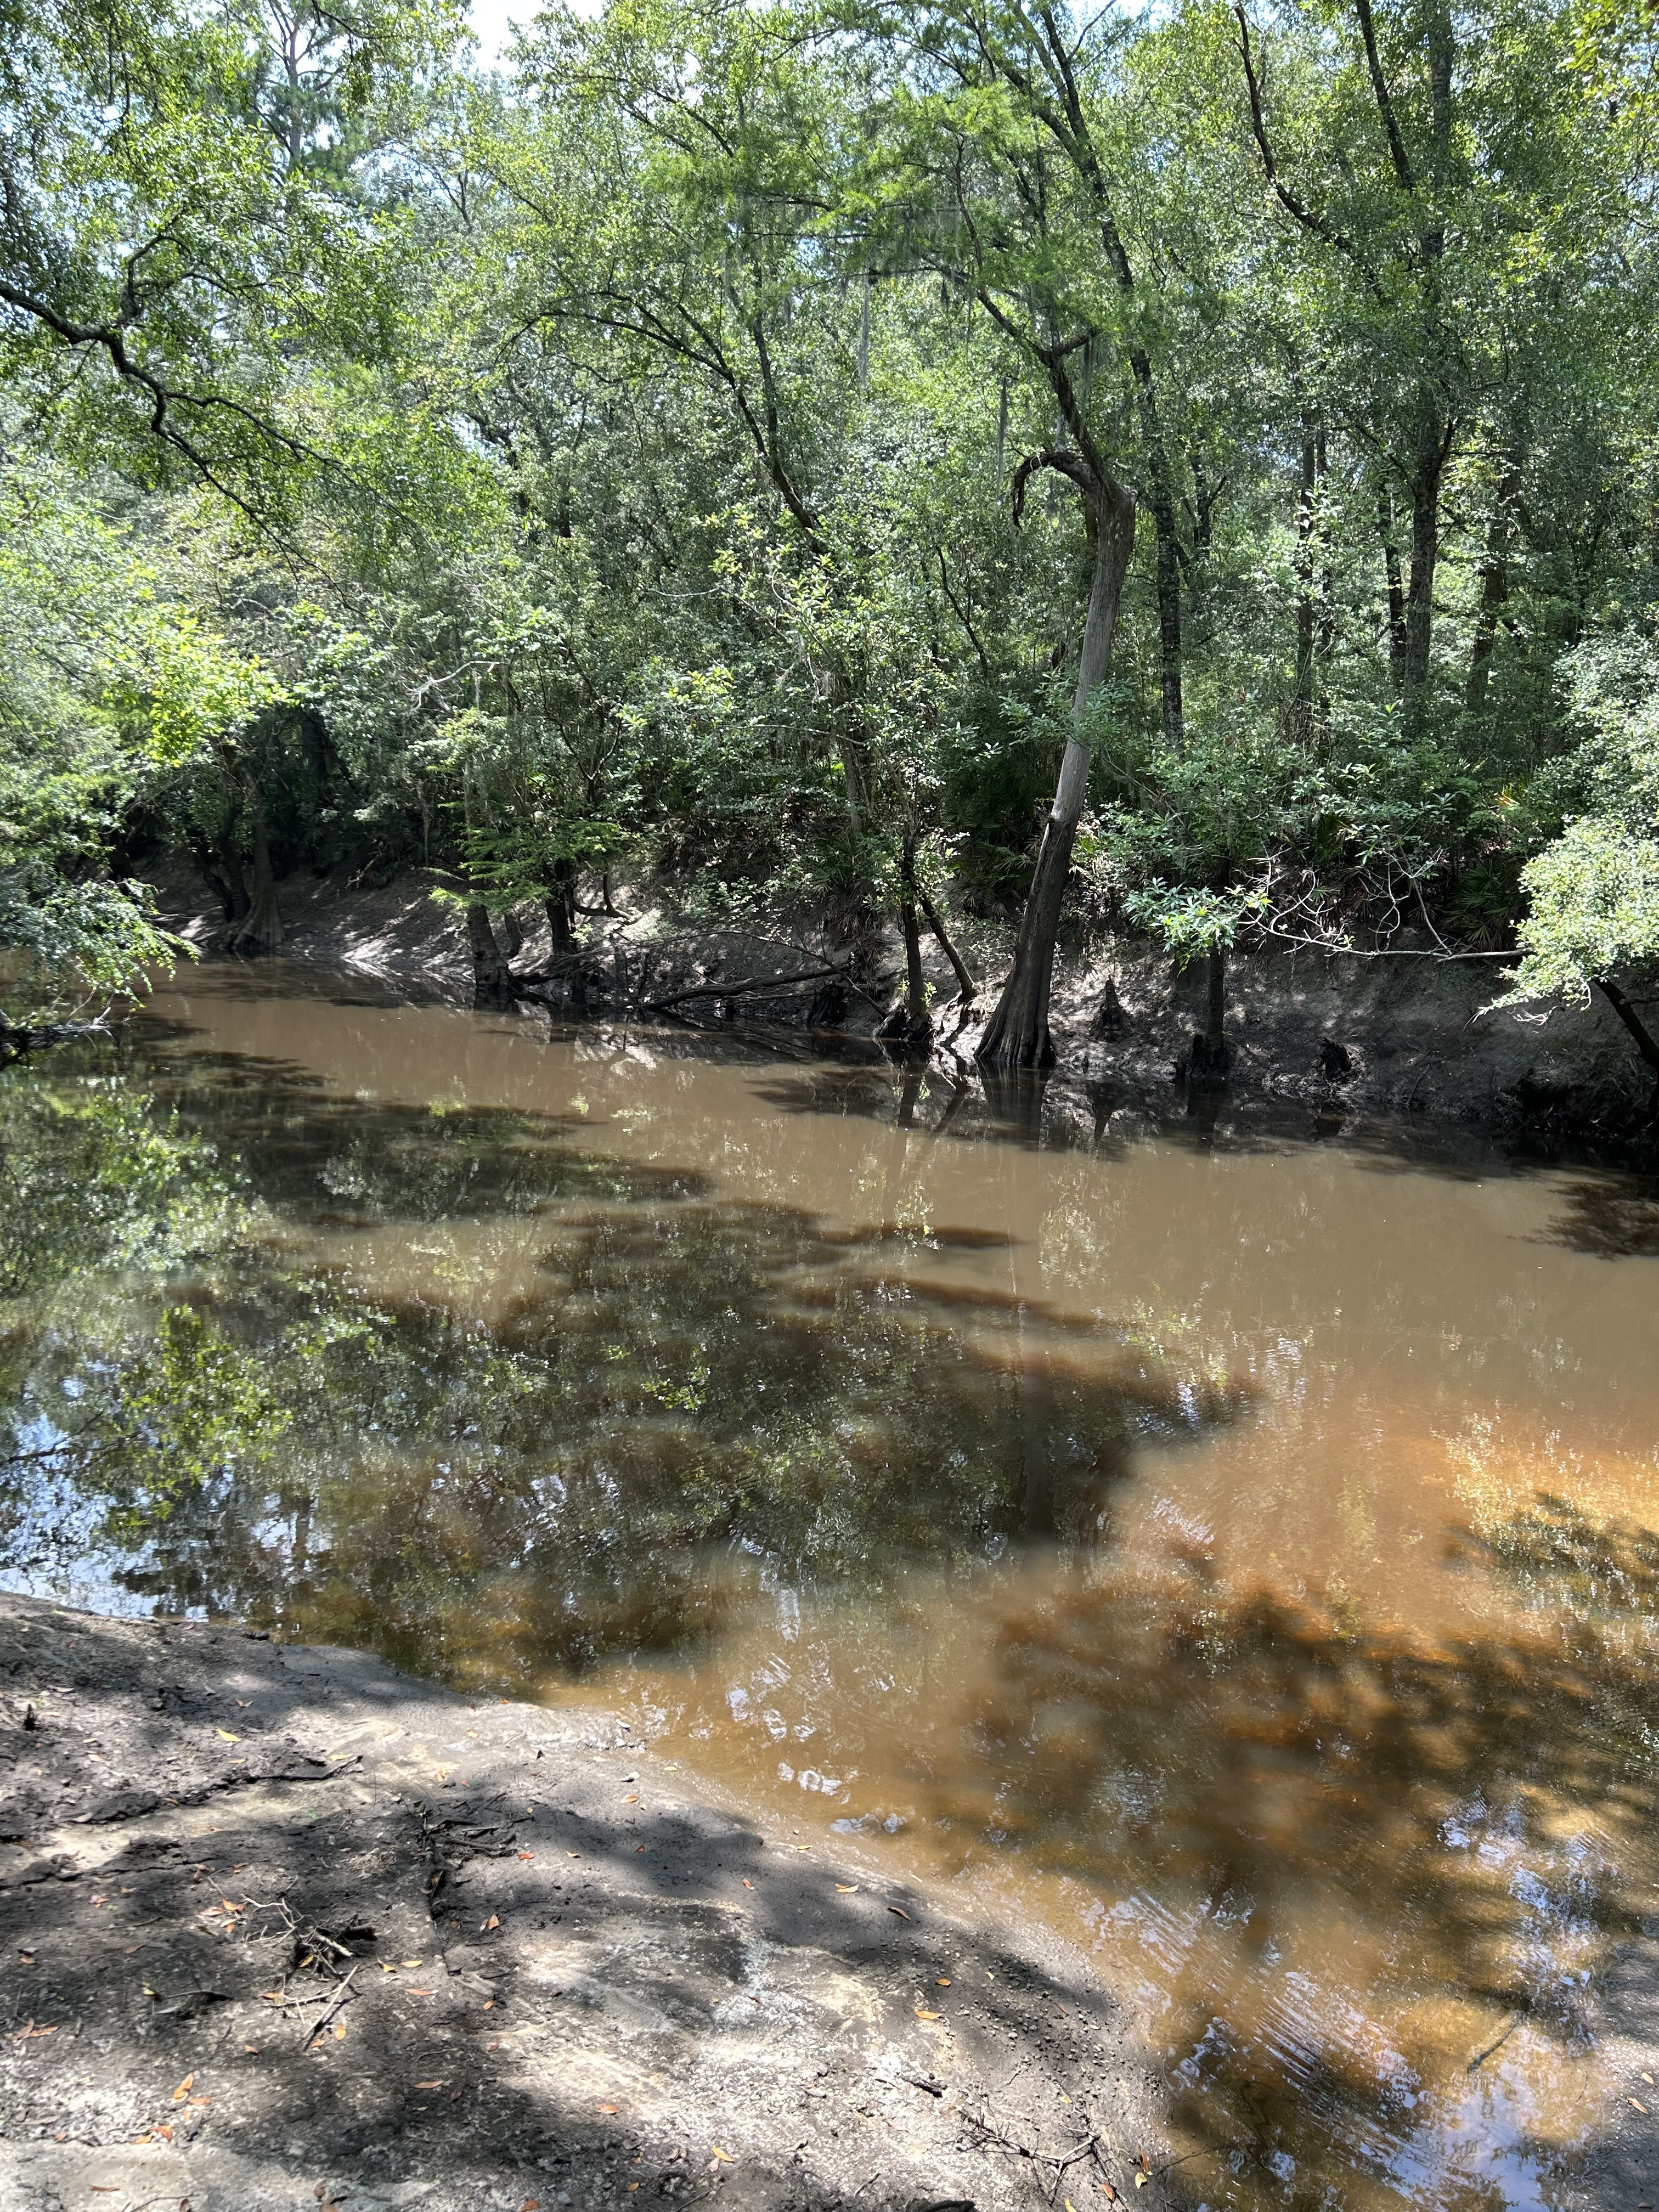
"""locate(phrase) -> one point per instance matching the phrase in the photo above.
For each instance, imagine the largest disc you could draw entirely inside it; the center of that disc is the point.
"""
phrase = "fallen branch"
(318, 2025)
(17, 1037)
(1071, 2157)
(1334, 949)
(749, 984)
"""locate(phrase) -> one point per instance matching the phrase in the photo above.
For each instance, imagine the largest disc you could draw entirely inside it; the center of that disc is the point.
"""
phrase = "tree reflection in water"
(1344, 1856)
(456, 1383)
(681, 1396)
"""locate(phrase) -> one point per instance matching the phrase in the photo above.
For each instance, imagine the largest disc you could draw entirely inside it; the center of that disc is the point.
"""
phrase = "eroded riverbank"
(284, 1926)
(1406, 1032)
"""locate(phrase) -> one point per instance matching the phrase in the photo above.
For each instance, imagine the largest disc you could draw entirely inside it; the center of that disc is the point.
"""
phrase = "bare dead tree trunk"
(260, 929)
(1016, 1034)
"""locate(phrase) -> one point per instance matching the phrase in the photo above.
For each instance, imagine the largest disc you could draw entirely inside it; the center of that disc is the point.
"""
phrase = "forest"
(965, 1634)
(1186, 471)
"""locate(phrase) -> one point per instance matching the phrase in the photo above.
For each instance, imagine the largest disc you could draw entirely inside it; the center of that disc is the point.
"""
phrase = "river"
(1234, 1546)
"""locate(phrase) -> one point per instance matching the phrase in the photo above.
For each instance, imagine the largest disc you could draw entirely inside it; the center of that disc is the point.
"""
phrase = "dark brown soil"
(283, 1927)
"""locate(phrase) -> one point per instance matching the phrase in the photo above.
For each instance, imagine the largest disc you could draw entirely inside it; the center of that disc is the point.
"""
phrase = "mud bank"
(1406, 1033)
(285, 1927)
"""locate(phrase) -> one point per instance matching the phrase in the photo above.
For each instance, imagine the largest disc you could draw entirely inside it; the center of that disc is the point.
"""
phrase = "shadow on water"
(456, 1384)
(1605, 1211)
(320, 1160)
(1614, 1220)
(1052, 1111)
(1343, 1857)
(664, 1401)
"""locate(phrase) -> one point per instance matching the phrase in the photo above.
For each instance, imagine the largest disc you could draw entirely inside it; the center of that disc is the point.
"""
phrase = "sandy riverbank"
(284, 1926)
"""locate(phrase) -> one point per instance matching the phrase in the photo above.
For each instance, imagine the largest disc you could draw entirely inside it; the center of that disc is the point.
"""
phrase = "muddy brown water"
(1234, 1548)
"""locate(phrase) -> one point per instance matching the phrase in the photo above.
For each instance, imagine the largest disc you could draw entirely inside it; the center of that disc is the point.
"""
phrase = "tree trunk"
(1494, 589)
(854, 782)
(1431, 459)
(512, 934)
(1016, 1034)
(1111, 1015)
(850, 747)
(558, 908)
(1641, 1035)
(860, 919)
(208, 868)
(1302, 710)
(231, 885)
(490, 978)
(1204, 505)
(1168, 563)
(1215, 1003)
(1169, 622)
(1206, 1066)
(911, 1092)
(1396, 590)
(966, 986)
(260, 929)
(1325, 627)
(918, 1021)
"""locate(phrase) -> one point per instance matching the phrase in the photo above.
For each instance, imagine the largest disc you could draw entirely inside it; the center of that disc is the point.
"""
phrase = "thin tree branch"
(961, 613)
(1402, 167)
(1310, 219)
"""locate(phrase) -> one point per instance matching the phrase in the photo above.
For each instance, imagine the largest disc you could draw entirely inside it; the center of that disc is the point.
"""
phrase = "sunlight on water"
(1238, 1552)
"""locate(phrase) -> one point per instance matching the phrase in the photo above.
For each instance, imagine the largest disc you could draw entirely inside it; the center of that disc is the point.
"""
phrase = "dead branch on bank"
(752, 983)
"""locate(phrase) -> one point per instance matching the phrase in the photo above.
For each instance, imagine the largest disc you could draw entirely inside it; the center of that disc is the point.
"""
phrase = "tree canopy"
(1192, 469)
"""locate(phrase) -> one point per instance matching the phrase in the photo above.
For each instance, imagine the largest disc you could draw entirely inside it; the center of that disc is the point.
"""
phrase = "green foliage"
(223, 1425)
(182, 226)
(197, 1398)
(611, 461)
(1190, 923)
(92, 1178)
(1593, 892)
(1593, 909)
(109, 683)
